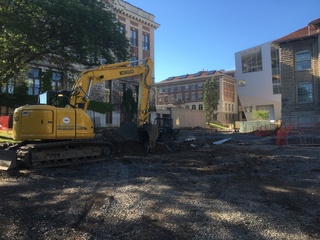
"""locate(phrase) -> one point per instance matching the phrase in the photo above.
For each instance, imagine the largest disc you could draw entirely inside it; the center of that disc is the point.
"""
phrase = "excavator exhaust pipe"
(8, 159)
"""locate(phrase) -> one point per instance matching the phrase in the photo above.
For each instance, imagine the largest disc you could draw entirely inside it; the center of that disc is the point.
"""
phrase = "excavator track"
(63, 153)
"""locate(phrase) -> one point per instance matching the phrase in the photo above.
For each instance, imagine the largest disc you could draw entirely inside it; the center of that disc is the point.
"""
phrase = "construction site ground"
(245, 188)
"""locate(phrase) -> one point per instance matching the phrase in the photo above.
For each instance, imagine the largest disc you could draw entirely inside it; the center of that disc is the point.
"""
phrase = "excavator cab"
(53, 98)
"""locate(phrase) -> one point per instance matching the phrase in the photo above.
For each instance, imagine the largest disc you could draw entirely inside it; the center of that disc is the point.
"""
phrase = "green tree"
(260, 115)
(211, 97)
(61, 32)
(129, 104)
(46, 81)
(18, 98)
(100, 107)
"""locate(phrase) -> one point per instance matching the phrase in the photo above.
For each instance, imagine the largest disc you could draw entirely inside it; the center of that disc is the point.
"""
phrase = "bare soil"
(245, 188)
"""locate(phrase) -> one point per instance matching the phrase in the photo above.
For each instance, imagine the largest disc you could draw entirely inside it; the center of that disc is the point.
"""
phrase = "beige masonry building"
(139, 27)
(187, 92)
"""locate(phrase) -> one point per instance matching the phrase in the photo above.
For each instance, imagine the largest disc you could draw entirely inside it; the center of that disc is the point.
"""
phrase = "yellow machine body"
(49, 122)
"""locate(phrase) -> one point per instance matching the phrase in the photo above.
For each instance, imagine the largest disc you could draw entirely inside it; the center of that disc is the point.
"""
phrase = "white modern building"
(258, 81)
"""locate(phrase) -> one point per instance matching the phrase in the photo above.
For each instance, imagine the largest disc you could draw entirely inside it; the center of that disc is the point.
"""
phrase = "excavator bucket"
(153, 133)
(8, 159)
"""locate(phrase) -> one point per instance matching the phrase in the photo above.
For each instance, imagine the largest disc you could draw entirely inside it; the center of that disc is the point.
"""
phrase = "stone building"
(300, 76)
(187, 92)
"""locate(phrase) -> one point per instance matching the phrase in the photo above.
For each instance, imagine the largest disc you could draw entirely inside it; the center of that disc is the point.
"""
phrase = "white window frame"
(303, 60)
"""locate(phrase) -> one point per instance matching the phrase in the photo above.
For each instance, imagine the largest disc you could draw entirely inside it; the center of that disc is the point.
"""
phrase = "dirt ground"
(245, 188)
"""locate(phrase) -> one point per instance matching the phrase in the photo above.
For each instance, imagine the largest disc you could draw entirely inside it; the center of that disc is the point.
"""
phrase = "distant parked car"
(197, 128)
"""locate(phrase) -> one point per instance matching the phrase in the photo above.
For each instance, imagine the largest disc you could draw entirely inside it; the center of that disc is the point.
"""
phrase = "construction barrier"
(282, 134)
(5, 123)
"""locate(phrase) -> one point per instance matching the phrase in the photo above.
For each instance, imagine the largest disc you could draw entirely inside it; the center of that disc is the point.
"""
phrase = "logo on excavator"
(125, 72)
(66, 120)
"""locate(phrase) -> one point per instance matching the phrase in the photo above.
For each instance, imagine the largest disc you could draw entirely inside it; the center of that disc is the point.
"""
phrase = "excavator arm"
(80, 94)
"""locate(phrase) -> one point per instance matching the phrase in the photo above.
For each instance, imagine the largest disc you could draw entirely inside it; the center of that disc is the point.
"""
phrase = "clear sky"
(206, 34)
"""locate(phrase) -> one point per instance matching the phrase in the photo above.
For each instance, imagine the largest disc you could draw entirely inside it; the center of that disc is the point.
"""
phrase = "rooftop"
(309, 31)
(198, 75)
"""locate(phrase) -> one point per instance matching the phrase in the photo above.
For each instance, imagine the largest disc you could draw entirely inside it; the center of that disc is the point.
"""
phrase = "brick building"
(187, 91)
(300, 76)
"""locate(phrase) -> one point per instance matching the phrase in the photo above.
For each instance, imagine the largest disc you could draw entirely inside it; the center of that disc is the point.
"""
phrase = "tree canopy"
(211, 97)
(58, 32)
(260, 114)
(129, 104)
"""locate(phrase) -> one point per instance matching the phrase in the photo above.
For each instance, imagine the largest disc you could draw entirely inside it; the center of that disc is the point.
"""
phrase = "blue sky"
(205, 34)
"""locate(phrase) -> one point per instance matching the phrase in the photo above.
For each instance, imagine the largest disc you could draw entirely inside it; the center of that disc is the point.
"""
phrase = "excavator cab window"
(52, 98)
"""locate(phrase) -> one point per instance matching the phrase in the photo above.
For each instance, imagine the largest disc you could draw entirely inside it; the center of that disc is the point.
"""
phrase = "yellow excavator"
(59, 132)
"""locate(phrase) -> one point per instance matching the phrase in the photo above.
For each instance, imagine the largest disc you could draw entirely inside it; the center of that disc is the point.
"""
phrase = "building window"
(251, 60)
(122, 90)
(187, 97)
(160, 99)
(226, 107)
(179, 97)
(34, 81)
(166, 89)
(172, 89)
(200, 107)
(200, 96)
(146, 42)
(160, 90)
(8, 87)
(133, 60)
(193, 107)
(305, 92)
(193, 96)
(166, 99)
(303, 60)
(107, 90)
(107, 95)
(228, 92)
(108, 117)
(276, 84)
(179, 88)
(56, 81)
(186, 87)
(275, 61)
(172, 98)
(134, 37)
(122, 29)
(200, 86)
(193, 87)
